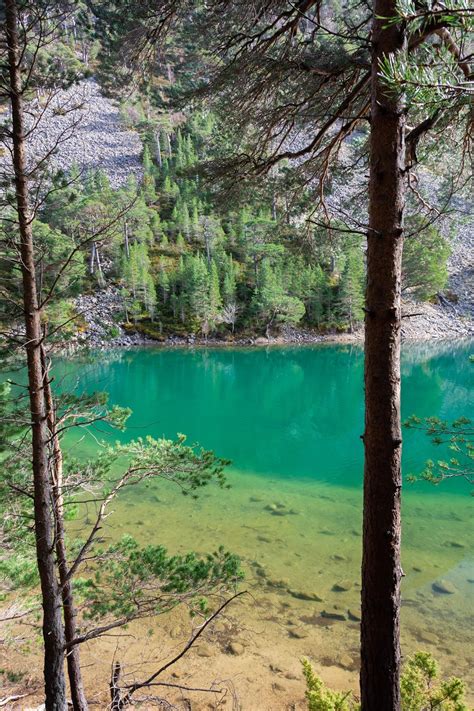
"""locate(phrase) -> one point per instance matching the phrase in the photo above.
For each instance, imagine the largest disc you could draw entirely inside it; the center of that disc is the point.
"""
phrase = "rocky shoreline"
(101, 328)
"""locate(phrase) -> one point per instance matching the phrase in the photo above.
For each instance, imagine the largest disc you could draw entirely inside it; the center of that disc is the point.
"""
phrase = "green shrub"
(421, 689)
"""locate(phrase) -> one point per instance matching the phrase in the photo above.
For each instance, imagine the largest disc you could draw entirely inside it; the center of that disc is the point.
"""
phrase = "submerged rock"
(345, 661)
(444, 587)
(279, 509)
(454, 544)
(205, 650)
(274, 507)
(354, 615)
(236, 648)
(304, 595)
(428, 637)
(279, 584)
(342, 586)
(297, 633)
(334, 613)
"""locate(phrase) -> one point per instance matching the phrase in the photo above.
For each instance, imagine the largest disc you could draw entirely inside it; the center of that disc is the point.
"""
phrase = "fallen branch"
(119, 702)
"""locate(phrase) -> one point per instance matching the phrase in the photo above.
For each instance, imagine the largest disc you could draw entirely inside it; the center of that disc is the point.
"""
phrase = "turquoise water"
(290, 420)
(285, 412)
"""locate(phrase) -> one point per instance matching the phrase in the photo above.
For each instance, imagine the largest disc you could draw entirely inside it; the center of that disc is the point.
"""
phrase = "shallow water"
(290, 420)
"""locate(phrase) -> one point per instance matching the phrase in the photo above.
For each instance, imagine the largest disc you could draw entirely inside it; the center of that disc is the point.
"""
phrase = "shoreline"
(102, 313)
(136, 340)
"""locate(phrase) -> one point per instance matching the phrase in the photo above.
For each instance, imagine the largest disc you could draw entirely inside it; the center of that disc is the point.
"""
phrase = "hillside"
(94, 136)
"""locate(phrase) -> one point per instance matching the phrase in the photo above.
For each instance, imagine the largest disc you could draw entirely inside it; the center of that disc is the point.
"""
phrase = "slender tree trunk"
(126, 240)
(92, 258)
(115, 700)
(381, 572)
(53, 632)
(159, 159)
(100, 279)
(78, 696)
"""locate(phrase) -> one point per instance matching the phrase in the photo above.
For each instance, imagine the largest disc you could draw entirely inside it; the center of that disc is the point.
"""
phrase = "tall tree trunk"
(78, 696)
(159, 159)
(92, 259)
(126, 240)
(100, 277)
(53, 632)
(381, 572)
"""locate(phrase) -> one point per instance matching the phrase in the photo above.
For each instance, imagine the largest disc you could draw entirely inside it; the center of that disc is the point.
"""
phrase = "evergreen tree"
(270, 302)
(163, 281)
(215, 299)
(424, 262)
(148, 185)
(138, 280)
(229, 285)
(316, 302)
(350, 295)
(198, 288)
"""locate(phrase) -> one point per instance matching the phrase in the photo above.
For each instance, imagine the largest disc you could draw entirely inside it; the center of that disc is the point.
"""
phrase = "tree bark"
(53, 632)
(381, 572)
(78, 697)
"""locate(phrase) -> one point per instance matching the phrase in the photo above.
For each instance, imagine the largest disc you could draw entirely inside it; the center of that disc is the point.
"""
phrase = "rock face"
(101, 314)
(90, 132)
(453, 315)
(436, 321)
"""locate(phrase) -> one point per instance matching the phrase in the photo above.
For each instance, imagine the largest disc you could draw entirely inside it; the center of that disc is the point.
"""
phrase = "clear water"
(290, 420)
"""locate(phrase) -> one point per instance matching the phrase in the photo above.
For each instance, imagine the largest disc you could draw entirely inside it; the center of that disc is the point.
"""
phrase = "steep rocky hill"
(85, 128)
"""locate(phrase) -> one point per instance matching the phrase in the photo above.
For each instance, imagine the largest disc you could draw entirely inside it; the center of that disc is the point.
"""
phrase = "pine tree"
(148, 184)
(229, 286)
(190, 152)
(316, 301)
(180, 153)
(163, 281)
(180, 243)
(270, 302)
(184, 220)
(195, 224)
(215, 299)
(350, 296)
(424, 261)
(138, 279)
(197, 288)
